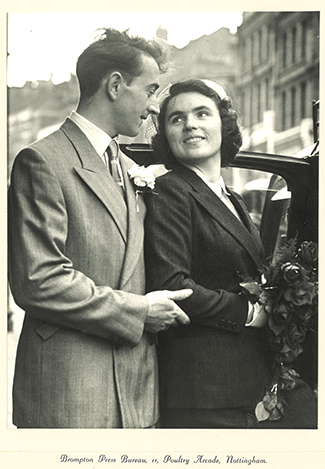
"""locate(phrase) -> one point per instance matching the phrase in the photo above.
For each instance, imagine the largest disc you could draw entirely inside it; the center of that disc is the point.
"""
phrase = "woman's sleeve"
(168, 253)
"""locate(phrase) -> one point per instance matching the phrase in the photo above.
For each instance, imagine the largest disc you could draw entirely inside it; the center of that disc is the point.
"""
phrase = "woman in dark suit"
(199, 235)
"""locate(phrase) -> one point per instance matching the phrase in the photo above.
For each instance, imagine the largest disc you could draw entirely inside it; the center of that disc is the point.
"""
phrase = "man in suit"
(86, 356)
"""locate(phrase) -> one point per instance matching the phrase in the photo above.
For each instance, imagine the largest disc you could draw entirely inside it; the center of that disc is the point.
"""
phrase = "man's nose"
(153, 107)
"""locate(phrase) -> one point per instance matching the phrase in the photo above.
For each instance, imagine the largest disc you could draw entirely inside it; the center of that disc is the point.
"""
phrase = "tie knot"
(113, 149)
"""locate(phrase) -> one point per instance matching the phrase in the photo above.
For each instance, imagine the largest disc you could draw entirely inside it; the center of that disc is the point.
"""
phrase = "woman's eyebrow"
(180, 113)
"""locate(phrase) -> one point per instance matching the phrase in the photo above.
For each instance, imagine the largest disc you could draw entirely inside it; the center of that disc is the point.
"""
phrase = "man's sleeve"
(43, 280)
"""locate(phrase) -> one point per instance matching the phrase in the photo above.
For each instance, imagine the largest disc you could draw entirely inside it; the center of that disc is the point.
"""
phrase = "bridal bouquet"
(289, 295)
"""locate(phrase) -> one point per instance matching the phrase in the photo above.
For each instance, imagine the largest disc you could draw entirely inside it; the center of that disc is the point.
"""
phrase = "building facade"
(278, 79)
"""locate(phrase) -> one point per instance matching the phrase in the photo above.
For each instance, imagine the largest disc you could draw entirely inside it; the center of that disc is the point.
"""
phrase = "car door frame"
(300, 174)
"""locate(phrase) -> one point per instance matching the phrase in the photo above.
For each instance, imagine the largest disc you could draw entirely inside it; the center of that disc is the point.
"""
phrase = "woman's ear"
(113, 84)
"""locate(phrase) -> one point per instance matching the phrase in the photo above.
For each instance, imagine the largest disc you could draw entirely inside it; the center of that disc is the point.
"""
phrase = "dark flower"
(292, 273)
(301, 294)
(305, 312)
(288, 354)
(308, 254)
(295, 336)
(276, 342)
(281, 314)
(293, 354)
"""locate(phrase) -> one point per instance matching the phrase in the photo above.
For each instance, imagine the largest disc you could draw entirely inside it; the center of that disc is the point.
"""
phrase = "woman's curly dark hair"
(231, 135)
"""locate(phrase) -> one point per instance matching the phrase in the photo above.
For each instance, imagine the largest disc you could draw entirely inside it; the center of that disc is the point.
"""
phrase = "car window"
(267, 199)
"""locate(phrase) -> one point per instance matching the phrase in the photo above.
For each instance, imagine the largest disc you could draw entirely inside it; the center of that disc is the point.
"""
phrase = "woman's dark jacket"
(194, 241)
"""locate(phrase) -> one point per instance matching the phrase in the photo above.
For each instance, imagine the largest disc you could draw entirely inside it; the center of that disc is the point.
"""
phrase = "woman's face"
(193, 128)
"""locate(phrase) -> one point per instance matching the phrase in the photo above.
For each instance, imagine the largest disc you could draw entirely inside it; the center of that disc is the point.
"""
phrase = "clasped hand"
(164, 312)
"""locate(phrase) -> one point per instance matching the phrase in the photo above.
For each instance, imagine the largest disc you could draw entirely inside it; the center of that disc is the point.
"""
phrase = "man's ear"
(113, 84)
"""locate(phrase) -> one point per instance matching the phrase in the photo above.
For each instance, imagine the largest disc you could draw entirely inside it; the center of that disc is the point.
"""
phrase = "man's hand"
(163, 312)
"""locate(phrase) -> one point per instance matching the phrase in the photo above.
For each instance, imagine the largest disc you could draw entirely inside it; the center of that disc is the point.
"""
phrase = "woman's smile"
(194, 140)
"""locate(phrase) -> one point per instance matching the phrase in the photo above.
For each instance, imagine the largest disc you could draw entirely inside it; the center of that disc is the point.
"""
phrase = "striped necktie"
(112, 151)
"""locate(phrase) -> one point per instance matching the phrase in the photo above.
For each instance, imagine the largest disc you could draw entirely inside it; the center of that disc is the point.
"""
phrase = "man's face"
(137, 100)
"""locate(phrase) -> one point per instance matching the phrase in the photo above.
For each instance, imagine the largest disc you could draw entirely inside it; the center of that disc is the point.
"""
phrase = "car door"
(288, 191)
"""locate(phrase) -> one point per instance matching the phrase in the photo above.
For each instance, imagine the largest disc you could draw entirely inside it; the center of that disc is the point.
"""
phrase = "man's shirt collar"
(97, 137)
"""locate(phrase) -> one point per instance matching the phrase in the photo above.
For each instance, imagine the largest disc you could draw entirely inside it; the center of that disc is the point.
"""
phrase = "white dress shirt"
(219, 188)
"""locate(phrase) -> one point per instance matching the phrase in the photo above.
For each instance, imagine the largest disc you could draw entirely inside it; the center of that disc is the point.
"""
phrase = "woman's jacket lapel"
(243, 231)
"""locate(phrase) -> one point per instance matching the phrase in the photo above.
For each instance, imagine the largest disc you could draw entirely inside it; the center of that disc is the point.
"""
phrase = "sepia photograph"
(163, 247)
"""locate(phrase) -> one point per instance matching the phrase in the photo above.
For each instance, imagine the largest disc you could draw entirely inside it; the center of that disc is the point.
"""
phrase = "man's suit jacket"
(194, 241)
(75, 263)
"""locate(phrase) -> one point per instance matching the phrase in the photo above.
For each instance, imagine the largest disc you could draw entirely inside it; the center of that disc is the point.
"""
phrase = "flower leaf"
(276, 328)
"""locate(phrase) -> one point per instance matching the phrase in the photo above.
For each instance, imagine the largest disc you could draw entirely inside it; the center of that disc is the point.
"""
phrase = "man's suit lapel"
(96, 176)
(244, 231)
(136, 214)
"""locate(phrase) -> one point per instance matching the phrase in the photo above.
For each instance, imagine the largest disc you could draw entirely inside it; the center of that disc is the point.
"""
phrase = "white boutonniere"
(143, 179)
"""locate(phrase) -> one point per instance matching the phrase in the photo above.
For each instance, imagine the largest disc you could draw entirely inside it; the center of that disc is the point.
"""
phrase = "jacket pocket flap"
(46, 330)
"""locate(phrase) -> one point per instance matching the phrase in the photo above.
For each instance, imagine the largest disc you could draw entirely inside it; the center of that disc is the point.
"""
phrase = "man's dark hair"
(231, 135)
(114, 50)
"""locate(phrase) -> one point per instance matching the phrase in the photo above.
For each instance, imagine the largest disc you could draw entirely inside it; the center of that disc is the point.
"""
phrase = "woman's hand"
(258, 317)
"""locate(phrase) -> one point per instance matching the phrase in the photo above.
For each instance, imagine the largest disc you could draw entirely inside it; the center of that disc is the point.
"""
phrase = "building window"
(241, 106)
(250, 104)
(260, 46)
(294, 44)
(250, 54)
(266, 43)
(303, 39)
(293, 106)
(244, 52)
(267, 86)
(284, 110)
(259, 103)
(284, 51)
(303, 99)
